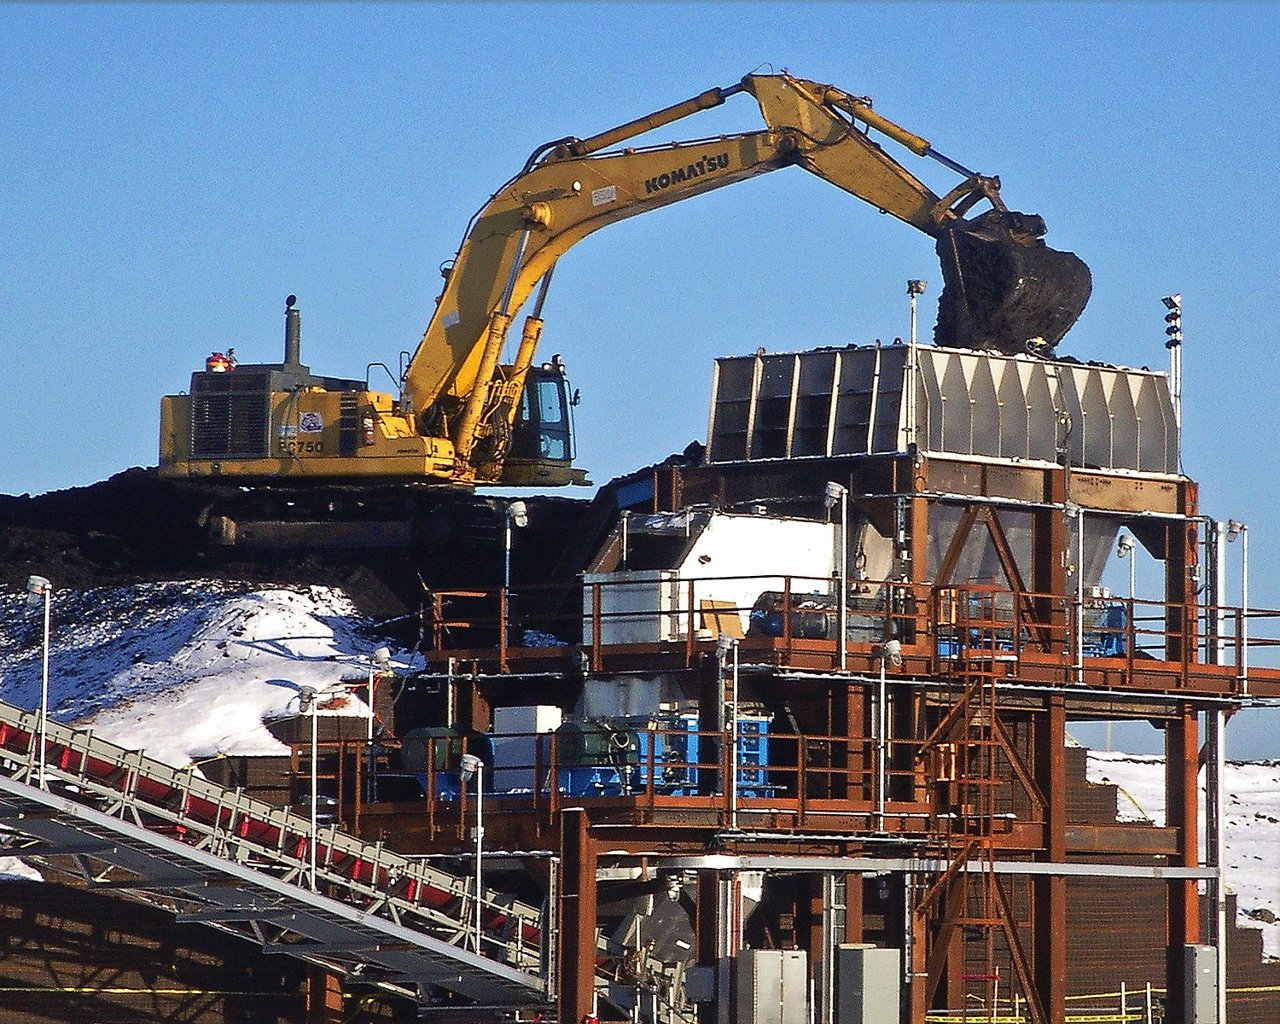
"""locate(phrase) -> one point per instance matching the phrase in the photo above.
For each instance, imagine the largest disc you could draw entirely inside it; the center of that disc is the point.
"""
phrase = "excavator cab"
(542, 448)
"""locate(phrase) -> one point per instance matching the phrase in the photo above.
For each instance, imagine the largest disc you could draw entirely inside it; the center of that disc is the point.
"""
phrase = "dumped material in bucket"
(1004, 288)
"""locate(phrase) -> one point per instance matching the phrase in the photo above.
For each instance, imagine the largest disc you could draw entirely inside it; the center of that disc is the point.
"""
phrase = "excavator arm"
(570, 188)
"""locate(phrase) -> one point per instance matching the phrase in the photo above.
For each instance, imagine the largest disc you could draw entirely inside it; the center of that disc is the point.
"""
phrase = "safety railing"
(1138, 1005)
(797, 617)
(807, 781)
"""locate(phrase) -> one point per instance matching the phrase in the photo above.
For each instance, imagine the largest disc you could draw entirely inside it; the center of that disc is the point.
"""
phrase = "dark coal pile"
(1003, 286)
(136, 527)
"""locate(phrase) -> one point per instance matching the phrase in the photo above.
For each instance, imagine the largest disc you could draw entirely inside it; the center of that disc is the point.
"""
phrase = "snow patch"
(1252, 820)
(186, 671)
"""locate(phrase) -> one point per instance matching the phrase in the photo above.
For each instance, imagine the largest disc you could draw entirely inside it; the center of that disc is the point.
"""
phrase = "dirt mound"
(137, 527)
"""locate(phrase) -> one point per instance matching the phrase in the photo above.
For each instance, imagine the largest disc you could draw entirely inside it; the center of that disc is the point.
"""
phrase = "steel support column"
(1048, 564)
(324, 997)
(1182, 765)
(577, 916)
(1049, 947)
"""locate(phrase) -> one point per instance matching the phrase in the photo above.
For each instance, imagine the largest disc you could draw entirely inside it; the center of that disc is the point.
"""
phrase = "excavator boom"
(464, 417)
(1004, 286)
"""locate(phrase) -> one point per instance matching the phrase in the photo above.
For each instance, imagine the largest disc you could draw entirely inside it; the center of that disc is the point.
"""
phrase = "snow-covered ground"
(186, 671)
(189, 671)
(1252, 822)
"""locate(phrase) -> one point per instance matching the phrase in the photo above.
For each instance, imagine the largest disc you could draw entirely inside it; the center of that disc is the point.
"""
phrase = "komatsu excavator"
(463, 417)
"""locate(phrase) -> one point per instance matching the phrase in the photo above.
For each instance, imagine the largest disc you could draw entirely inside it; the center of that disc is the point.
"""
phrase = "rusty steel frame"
(958, 706)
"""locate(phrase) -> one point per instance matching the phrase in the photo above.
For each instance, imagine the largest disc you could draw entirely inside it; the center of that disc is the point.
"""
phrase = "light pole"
(379, 662)
(39, 587)
(307, 706)
(1235, 528)
(517, 515)
(838, 494)
(472, 765)
(1173, 342)
(915, 288)
(726, 646)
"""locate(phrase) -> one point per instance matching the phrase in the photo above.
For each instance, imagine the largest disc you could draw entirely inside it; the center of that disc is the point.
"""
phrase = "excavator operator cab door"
(542, 447)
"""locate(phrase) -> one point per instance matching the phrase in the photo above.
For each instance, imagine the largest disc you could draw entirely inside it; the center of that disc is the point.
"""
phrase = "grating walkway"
(212, 856)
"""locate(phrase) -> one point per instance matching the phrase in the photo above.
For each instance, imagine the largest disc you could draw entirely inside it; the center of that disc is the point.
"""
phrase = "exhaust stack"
(292, 332)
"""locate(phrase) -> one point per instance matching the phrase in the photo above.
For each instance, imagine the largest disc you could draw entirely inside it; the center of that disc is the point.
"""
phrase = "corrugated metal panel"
(832, 402)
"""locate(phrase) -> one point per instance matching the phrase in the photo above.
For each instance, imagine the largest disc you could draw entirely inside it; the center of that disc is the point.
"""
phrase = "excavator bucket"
(1005, 289)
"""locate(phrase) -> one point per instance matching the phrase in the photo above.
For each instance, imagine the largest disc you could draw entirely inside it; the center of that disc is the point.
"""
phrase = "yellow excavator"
(461, 416)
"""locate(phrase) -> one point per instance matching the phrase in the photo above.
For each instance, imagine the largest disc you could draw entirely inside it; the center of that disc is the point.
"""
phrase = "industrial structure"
(794, 745)
(786, 738)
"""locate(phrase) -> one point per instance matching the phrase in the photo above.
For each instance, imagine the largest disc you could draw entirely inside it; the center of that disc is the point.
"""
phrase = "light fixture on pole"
(379, 663)
(915, 288)
(472, 766)
(1173, 342)
(1236, 528)
(517, 515)
(890, 653)
(307, 706)
(837, 494)
(725, 646)
(1125, 547)
(39, 588)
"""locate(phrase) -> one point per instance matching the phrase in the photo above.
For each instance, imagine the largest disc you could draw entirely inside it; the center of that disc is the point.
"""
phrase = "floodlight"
(1172, 301)
(724, 645)
(471, 765)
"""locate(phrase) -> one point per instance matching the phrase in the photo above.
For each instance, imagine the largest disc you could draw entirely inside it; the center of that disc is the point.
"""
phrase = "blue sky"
(170, 173)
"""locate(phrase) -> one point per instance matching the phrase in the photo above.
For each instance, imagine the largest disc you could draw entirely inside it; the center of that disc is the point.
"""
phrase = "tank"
(443, 745)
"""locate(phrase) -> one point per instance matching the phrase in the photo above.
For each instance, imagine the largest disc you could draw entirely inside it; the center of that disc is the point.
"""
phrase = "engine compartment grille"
(230, 415)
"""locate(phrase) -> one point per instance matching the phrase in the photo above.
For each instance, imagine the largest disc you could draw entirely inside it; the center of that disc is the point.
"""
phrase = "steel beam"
(577, 943)
(1049, 892)
(1182, 766)
(927, 865)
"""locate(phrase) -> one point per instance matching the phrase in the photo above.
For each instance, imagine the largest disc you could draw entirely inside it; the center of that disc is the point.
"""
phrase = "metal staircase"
(213, 856)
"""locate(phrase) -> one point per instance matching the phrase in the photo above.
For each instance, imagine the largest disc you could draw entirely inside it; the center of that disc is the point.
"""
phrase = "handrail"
(793, 610)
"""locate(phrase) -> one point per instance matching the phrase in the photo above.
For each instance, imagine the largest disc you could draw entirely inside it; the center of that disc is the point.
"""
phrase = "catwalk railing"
(797, 619)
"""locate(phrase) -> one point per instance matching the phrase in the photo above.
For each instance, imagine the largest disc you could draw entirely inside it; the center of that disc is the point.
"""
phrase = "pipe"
(1218, 551)
(1078, 639)
(1215, 841)
(292, 333)
(882, 745)
(1244, 608)
(733, 749)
